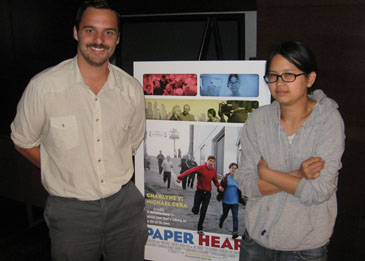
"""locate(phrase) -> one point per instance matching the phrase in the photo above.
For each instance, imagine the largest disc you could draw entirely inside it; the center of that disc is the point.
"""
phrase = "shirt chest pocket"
(123, 133)
(64, 132)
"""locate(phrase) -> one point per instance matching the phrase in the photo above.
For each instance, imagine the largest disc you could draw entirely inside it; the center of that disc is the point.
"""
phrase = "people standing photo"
(160, 158)
(291, 157)
(167, 167)
(183, 167)
(191, 164)
(231, 197)
(206, 175)
(81, 122)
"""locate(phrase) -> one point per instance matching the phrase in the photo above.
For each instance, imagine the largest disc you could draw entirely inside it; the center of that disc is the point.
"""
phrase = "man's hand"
(310, 169)
(221, 189)
(178, 181)
(31, 154)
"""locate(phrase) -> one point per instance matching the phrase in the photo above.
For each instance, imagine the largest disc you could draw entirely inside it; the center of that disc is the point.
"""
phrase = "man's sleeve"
(215, 180)
(27, 126)
(187, 172)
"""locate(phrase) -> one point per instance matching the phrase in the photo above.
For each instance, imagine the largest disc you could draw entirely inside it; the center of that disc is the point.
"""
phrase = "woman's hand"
(310, 169)
(261, 167)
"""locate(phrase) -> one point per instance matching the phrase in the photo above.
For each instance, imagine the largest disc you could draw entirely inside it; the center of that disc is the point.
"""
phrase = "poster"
(193, 110)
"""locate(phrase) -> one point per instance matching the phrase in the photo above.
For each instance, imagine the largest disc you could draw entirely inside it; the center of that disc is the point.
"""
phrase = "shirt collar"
(76, 78)
(76, 74)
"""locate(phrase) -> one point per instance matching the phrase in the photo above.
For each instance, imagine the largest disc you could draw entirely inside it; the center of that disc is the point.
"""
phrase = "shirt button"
(99, 160)
(97, 119)
(98, 140)
(96, 99)
(102, 181)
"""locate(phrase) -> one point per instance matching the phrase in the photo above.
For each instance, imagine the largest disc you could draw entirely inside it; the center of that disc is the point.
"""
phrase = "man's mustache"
(99, 46)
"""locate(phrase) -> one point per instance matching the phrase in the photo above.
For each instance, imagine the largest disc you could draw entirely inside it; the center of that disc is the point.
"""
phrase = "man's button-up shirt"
(86, 140)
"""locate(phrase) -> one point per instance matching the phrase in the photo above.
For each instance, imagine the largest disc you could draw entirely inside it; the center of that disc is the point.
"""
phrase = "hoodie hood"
(324, 107)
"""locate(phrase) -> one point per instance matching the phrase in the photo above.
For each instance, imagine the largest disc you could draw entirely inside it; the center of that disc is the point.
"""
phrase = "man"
(160, 85)
(206, 174)
(158, 89)
(80, 122)
(185, 115)
(160, 158)
(231, 196)
(238, 113)
(191, 177)
(148, 90)
(184, 167)
(167, 169)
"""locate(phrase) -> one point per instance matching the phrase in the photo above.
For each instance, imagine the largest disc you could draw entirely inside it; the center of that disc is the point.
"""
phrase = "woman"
(212, 116)
(234, 85)
(176, 113)
(291, 156)
(231, 197)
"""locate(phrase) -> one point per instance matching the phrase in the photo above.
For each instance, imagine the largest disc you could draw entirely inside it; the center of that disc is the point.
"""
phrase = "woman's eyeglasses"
(285, 77)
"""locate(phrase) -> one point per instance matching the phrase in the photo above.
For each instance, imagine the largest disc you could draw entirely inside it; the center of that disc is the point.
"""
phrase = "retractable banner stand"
(193, 110)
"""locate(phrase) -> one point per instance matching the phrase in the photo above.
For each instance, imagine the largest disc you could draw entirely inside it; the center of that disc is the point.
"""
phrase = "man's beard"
(90, 60)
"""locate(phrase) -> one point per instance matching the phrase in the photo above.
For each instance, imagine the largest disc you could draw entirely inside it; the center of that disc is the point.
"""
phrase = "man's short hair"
(211, 157)
(98, 4)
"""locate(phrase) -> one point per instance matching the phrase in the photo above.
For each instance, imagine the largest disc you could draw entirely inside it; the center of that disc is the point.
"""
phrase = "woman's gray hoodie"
(305, 220)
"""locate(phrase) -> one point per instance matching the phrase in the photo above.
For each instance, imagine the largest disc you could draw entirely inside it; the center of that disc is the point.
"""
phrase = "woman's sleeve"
(330, 146)
(247, 172)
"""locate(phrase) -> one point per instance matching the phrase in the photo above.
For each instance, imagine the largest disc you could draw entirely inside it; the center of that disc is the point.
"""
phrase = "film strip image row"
(213, 85)
(232, 111)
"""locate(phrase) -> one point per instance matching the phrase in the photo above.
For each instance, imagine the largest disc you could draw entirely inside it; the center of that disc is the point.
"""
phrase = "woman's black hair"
(212, 111)
(233, 164)
(296, 53)
(230, 77)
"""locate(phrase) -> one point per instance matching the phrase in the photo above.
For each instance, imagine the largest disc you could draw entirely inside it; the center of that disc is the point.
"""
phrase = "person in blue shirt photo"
(230, 197)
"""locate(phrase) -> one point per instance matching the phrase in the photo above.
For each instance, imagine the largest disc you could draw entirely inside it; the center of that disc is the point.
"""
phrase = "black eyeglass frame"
(281, 76)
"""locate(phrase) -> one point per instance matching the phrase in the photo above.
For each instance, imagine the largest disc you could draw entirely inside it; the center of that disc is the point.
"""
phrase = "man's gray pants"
(113, 227)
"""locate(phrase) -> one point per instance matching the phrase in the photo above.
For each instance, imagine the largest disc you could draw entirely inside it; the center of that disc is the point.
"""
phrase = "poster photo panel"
(229, 85)
(182, 130)
(169, 203)
(171, 84)
(199, 110)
